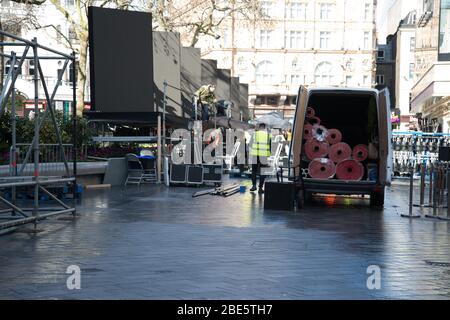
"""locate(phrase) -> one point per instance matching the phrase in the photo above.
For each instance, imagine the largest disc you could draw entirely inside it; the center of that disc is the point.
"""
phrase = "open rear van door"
(297, 133)
(385, 132)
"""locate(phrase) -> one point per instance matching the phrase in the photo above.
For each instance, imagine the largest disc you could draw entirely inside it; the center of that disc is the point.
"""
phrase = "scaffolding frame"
(18, 215)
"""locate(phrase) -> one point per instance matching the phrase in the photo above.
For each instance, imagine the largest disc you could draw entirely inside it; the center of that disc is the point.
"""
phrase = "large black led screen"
(121, 60)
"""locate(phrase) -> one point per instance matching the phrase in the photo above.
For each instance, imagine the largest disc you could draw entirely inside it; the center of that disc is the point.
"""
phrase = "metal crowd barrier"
(438, 188)
(417, 148)
(52, 159)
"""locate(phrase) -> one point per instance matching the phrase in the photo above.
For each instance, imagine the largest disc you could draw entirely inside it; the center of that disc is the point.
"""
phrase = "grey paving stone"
(158, 243)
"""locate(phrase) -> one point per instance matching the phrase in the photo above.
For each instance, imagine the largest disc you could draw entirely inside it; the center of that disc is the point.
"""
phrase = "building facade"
(405, 77)
(421, 47)
(430, 96)
(53, 31)
(299, 42)
(385, 74)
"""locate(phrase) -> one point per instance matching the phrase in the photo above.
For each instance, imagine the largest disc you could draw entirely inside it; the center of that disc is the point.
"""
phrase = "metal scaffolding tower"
(29, 163)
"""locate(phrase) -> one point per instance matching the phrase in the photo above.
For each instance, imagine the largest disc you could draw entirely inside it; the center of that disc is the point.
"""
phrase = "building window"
(267, 100)
(260, 100)
(295, 79)
(266, 8)
(296, 10)
(16, 68)
(287, 101)
(70, 3)
(325, 11)
(324, 73)
(241, 62)
(413, 18)
(59, 73)
(224, 38)
(273, 100)
(71, 71)
(348, 80)
(295, 39)
(349, 66)
(380, 55)
(31, 68)
(290, 100)
(367, 15)
(296, 64)
(366, 80)
(264, 72)
(72, 34)
(380, 79)
(412, 68)
(265, 38)
(7, 66)
(366, 40)
(325, 39)
(413, 44)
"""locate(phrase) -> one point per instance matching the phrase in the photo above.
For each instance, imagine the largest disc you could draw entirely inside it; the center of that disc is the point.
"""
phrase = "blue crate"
(79, 190)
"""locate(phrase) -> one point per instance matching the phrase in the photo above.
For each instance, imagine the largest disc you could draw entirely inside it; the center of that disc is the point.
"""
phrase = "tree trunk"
(81, 73)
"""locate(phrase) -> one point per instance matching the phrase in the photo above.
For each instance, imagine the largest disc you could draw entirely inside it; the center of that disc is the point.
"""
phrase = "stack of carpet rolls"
(328, 156)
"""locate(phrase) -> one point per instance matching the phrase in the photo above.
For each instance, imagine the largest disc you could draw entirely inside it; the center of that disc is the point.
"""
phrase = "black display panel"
(121, 60)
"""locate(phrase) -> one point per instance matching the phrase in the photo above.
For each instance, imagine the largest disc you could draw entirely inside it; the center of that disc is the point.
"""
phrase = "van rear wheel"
(377, 199)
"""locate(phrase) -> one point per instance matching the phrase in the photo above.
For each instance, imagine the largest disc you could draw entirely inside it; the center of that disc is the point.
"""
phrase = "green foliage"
(5, 120)
(25, 131)
(5, 130)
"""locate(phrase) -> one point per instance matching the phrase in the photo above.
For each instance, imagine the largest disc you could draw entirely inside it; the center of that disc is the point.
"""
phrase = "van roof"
(340, 89)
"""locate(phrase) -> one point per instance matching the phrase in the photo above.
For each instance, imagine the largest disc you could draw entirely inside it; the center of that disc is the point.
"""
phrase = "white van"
(363, 117)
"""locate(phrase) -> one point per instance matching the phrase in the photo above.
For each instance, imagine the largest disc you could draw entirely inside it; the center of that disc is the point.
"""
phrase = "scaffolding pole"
(18, 215)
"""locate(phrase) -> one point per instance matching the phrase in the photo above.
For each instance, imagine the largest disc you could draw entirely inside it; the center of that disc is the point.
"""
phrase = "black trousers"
(256, 169)
(205, 112)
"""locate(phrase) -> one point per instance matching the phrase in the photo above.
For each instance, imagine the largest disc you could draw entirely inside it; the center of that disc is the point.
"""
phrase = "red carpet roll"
(316, 149)
(308, 131)
(340, 152)
(360, 153)
(310, 113)
(320, 132)
(322, 169)
(334, 136)
(350, 170)
(314, 121)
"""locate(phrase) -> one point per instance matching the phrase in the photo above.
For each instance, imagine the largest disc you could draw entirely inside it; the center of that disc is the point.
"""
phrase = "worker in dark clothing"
(260, 151)
(206, 98)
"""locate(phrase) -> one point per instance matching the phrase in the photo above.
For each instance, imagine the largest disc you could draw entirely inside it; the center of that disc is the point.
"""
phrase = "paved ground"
(158, 243)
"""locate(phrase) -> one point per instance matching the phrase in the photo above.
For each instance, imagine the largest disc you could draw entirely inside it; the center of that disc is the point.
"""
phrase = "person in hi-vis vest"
(260, 151)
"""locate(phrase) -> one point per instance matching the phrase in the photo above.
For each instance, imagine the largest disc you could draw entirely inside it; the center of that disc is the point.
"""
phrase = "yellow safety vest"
(261, 144)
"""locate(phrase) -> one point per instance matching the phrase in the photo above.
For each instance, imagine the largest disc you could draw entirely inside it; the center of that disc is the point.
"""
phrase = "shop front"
(431, 99)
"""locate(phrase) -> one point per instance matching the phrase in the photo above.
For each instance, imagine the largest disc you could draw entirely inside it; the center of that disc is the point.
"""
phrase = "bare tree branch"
(33, 2)
(58, 31)
(196, 18)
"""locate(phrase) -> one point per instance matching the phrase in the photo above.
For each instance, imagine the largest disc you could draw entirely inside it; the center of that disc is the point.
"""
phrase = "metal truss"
(20, 176)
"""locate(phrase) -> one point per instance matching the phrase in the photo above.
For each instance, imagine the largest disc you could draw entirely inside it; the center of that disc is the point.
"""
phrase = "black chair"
(149, 166)
(137, 173)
